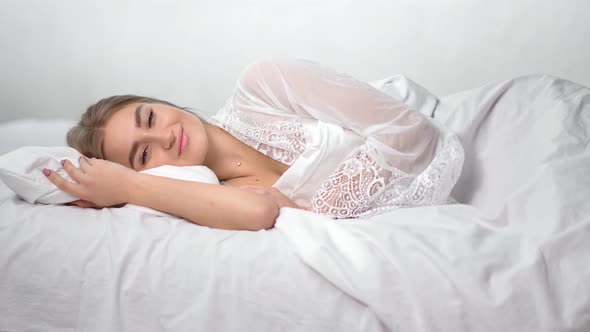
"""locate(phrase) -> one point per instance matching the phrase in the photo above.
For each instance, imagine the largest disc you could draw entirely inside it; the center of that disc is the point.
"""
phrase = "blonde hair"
(88, 135)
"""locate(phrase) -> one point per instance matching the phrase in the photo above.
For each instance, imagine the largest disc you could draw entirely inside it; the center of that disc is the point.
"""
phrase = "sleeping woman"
(293, 134)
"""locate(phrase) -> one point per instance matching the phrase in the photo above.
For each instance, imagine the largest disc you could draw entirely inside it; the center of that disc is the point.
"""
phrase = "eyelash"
(150, 123)
(150, 119)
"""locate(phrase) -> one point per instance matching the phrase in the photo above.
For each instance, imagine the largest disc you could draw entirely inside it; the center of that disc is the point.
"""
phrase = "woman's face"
(145, 135)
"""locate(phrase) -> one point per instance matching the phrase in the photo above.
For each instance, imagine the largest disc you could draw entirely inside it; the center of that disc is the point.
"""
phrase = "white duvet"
(513, 255)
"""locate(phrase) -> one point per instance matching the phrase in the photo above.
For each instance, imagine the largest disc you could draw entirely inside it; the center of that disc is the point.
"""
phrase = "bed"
(513, 253)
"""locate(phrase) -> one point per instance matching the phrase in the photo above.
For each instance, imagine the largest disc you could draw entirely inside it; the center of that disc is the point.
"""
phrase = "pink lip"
(183, 141)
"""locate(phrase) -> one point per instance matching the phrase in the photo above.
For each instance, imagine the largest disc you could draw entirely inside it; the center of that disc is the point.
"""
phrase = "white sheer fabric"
(352, 149)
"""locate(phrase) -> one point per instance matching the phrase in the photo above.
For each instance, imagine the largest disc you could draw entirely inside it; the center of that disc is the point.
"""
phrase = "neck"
(223, 152)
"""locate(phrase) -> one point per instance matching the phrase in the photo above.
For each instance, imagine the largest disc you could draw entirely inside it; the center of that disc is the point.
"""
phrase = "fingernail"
(46, 172)
(63, 162)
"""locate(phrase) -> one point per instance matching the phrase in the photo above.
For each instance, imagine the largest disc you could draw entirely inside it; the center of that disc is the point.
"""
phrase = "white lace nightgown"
(352, 149)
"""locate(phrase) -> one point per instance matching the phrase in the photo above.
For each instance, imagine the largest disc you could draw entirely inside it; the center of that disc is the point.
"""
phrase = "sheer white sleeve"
(400, 143)
(405, 137)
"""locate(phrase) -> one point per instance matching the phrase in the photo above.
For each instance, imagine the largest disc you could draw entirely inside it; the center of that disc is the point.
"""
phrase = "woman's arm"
(404, 136)
(399, 144)
(203, 203)
(105, 183)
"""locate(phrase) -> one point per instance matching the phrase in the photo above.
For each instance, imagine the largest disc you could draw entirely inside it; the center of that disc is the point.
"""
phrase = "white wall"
(56, 57)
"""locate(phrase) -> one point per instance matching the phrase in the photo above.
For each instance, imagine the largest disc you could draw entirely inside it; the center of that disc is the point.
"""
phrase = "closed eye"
(150, 123)
(144, 155)
(150, 119)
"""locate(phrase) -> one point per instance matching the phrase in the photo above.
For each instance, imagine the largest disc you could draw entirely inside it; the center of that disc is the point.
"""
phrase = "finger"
(86, 204)
(61, 183)
(82, 203)
(84, 164)
(281, 199)
(72, 170)
(89, 161)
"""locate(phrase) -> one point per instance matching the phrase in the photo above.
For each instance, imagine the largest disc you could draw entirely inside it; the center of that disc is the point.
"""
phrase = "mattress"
(511, 255)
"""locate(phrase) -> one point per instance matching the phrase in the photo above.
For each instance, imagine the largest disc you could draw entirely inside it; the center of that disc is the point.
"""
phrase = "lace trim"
(282, 140)
(361, 187)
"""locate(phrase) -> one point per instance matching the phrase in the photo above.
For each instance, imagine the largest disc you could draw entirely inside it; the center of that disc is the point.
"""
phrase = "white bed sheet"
(512, 129)
(66, 268)
(515, 259)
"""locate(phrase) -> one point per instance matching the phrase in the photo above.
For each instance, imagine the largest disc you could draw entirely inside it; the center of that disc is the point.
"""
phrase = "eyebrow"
(135, 145)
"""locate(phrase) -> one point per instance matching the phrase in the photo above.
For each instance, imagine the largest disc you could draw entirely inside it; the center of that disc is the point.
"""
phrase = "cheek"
(161, 157)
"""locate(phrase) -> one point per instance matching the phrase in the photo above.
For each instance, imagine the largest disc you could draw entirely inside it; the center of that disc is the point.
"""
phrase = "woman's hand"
(83, 204)
(99, 183)
(275, 195)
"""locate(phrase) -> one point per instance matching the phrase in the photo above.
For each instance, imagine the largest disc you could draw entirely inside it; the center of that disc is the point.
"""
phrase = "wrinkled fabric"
(352, 150)
(514, 258)
(519, 263)
(21, 170)
(65, 268)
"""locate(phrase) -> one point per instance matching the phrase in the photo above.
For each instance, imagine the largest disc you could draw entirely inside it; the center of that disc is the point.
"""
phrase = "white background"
(57, 57)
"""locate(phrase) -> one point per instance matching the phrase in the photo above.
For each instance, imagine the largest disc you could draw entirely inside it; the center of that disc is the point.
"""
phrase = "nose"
(164, 137)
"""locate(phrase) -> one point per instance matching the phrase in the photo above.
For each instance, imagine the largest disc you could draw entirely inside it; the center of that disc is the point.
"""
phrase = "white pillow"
(21, 171)
(409, 92)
